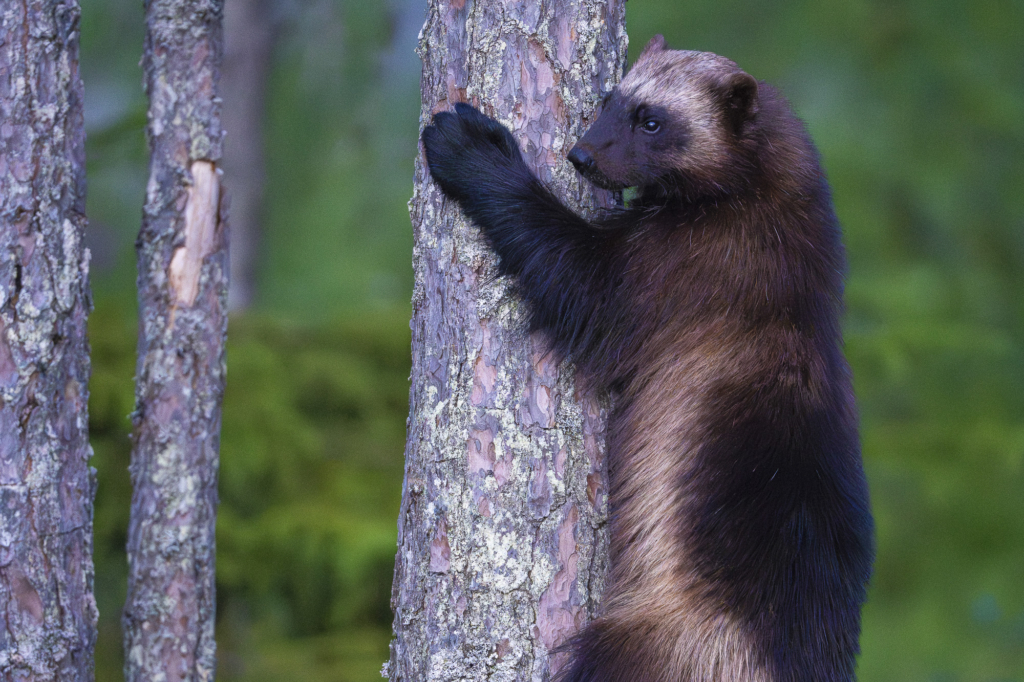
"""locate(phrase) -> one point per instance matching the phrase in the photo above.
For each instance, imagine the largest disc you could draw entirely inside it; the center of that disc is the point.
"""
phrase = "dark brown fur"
(741, 533)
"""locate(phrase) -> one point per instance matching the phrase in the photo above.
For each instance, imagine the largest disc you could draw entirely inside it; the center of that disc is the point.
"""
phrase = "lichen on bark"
(502, 539)
(182, 258)
(47, 611)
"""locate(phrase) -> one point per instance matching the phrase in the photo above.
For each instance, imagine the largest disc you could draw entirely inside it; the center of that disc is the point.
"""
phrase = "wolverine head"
(678, 119)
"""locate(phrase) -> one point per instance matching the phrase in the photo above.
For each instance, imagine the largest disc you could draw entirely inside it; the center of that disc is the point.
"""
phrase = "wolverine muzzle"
(587, 167)
(583, 161)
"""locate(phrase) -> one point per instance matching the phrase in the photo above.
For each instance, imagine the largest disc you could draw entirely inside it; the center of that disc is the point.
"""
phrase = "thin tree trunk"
(250, 30)
(47, 610)
(182, 253)
(502, 541)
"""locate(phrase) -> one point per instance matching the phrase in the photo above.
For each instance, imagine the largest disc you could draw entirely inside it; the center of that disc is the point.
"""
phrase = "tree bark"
(502, 540)
(47, 610)
(182, 257)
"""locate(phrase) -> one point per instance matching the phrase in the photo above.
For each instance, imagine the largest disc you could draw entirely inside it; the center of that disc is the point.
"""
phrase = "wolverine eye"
(650, 126)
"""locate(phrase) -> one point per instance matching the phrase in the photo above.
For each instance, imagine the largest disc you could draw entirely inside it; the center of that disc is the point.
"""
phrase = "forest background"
(917, 107)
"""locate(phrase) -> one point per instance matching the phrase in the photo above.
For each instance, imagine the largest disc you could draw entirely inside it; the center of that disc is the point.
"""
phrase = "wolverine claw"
(478, 122)
(442, 154)
(469, 113)
(462, 145)
(449, 126)
(485, 127)
(469, 123)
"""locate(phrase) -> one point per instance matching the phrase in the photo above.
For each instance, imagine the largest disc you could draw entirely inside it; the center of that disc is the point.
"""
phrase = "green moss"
(310, 482)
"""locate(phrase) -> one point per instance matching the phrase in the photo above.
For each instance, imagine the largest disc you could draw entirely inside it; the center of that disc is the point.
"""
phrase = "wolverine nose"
(583, 161)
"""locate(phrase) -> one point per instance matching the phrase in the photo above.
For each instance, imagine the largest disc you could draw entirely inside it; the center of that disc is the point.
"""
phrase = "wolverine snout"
(587, 167)
(583, 161)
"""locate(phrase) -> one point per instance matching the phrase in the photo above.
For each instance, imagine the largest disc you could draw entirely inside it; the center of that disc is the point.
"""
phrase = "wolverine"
(741, 534)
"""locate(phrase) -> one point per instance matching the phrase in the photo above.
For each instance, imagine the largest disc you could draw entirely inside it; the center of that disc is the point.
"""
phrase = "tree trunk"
(182, 254)
(47, 610)
(502, 541)
(250, 30)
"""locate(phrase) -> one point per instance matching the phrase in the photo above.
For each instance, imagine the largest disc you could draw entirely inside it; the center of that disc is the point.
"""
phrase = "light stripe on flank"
(653, 587)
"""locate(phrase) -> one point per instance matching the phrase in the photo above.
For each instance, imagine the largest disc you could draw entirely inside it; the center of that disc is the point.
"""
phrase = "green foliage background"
(917, 109)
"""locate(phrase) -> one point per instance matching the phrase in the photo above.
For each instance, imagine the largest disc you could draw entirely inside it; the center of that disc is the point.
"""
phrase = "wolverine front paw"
(468, 152)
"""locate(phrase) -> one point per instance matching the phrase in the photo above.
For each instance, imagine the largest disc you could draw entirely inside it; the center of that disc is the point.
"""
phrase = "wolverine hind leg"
(606, 651)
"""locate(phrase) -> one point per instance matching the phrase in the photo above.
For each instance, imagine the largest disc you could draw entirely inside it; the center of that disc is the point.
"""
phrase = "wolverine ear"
(741, 101)
(657, 44)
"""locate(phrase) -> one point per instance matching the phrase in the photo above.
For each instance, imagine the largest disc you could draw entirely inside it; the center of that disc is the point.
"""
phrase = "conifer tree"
(502, 544)
(48, 614)
(182, 258)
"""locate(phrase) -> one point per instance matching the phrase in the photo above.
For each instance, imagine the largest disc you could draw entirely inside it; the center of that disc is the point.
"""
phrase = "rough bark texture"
(502, 540)
(182, 252)
(47, 610)
(250, 30)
